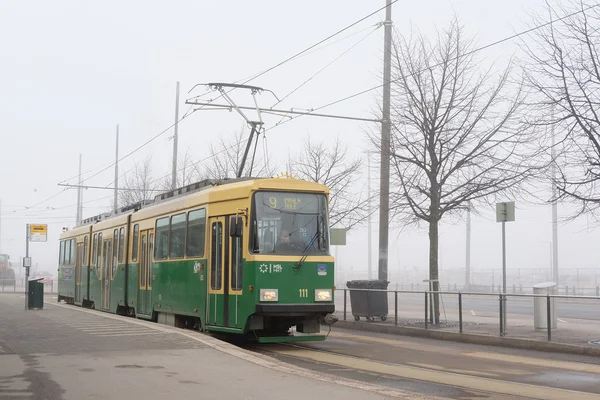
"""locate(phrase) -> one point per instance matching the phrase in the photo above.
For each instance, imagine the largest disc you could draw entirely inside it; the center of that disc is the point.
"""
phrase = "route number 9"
(273, 202)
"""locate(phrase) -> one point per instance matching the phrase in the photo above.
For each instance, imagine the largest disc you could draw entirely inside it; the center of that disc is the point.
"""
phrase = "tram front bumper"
(294, 309)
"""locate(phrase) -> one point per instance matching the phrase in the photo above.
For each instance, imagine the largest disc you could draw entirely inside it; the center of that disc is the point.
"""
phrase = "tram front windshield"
(287, 223)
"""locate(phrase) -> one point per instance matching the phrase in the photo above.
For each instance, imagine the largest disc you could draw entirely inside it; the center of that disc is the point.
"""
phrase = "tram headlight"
(322, 294)
(269, 295)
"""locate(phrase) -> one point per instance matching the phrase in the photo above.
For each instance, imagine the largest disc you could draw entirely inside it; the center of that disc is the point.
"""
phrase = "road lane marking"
(369, 339)
(444, 378)
(561, 320)
(473, 313)
(539, 362)
(455, 370)
(128, 334)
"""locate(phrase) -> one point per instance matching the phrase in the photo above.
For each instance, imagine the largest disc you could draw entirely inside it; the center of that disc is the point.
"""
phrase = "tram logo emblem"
(196, 267)
(322, 269)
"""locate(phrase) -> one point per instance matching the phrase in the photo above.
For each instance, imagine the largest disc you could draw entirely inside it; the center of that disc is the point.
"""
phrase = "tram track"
(422, 378)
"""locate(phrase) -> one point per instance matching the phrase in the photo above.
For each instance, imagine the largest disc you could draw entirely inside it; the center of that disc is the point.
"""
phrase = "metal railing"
(17, 285)
(569, 290)
(7, 284)
(502, 298)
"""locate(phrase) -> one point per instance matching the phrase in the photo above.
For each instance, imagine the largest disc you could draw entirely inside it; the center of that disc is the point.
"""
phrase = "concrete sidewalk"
(65, 352)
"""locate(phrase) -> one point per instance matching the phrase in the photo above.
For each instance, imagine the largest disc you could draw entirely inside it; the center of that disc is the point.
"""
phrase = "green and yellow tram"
(245, 256)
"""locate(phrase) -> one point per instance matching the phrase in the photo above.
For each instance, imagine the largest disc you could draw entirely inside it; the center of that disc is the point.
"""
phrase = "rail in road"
(444, 369)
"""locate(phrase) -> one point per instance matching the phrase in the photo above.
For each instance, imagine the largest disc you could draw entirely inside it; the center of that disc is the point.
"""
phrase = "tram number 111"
(303, 292)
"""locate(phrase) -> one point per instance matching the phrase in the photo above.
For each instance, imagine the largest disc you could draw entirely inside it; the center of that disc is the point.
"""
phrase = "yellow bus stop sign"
(38, 233)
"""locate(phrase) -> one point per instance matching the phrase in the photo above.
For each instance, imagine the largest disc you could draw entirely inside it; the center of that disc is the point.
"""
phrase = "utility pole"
(468, 255)
(554, 210)
(79, 194)
(384, 195)
(369, 214)
(27, 266)
(175, 138)
(116, 199)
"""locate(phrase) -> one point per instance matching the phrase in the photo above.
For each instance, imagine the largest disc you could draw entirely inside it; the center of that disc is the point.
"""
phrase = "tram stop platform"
(64, 352)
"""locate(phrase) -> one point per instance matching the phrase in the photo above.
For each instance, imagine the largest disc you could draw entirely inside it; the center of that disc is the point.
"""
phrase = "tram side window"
(99, 250)
(177, 237)
(94, 249)
(67, 254)
(61, 256)
(136, 238)
(196, 231)
(72, 254)
(161, 247)
(85, 250)
(121, 244)
(216, 262)
(115, 246)
(236, 262)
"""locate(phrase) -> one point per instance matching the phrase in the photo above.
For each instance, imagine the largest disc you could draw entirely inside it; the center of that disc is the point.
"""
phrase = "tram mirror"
(236, 226)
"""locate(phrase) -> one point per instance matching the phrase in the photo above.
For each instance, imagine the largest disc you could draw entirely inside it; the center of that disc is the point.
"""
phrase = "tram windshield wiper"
(316, 236)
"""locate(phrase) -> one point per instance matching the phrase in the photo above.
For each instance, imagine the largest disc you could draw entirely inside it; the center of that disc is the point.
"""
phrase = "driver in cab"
(283, 241)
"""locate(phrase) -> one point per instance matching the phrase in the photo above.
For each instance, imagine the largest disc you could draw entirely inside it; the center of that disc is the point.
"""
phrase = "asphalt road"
(446, 369)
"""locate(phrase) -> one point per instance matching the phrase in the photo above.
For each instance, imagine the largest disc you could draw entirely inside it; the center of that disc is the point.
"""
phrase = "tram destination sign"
(38, 233)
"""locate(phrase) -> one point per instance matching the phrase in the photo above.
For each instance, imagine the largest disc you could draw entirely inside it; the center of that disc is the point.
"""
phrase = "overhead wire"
(327, 65)
(500, 41)
(253, 77)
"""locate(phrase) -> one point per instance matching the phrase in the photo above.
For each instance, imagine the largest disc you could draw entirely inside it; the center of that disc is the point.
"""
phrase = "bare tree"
(226, 157)
(331, 167)
(142, 183)
(563, 69)
(456, 137)
(188, 172)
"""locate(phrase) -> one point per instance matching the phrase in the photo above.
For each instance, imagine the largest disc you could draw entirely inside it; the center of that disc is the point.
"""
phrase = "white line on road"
(560, 320)
(473, 313)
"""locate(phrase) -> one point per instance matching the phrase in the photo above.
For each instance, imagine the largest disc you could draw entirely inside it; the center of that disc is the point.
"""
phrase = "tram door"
(78, 266)
(224, 274)
(218, 292)
(145, 273)
(106, 272)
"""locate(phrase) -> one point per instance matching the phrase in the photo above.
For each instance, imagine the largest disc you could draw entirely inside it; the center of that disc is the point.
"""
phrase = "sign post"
(505, 212)
(337, 238)
(34, 233)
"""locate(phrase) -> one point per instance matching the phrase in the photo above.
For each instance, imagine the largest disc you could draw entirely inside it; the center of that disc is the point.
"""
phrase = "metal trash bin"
(35, 296)
(540, 306)
(368, 304)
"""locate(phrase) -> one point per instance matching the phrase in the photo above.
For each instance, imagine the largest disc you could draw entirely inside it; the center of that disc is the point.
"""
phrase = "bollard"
(501, 319)
(344, 304)
(426, 310)
(549, 318)
(460, 312)
(396, 308)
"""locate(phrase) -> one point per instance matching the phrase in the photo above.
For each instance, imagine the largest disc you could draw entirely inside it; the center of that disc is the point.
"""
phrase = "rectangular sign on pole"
(38, 233)
(505, 212)
(337, 236)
